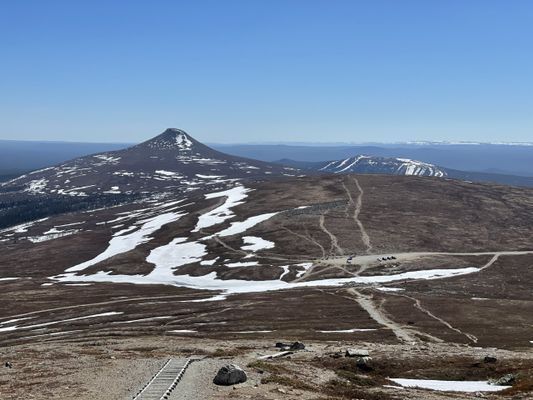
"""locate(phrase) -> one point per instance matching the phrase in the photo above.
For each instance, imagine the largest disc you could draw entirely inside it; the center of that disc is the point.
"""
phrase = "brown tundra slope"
(407, 264)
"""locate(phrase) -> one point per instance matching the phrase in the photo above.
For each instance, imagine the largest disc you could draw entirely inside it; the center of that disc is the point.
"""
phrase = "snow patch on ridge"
(122, 243)
(234, 197)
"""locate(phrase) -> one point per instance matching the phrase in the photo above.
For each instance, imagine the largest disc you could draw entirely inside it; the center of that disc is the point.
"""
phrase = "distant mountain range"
(366, 164)
(19, 157)
(483, 158)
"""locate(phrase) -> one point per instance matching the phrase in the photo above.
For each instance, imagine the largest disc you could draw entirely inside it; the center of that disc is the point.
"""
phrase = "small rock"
(505, 380)
(363, 361)
(8, 365)
(490, 360)
(297, 346)
(356, 353)
(230, 374)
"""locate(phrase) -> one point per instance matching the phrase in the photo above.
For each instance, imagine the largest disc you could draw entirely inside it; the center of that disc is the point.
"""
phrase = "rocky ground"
(116, 368)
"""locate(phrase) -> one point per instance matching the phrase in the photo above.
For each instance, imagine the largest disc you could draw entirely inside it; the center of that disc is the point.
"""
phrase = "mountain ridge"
(172, 160)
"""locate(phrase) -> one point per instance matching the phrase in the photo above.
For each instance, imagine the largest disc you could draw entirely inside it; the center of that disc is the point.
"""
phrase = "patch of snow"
(167, 173)
(52, 234)
(449, 386)
(230, 286)
(254, 243)
(124, 243)
(105, 159)
(183, 141)
(286, 270)
(173, 255)
(36, 186)
(209, 262)
(71, 224)
(106, 314)
(113, 190)
(12, 321)
(242, 264)
(22, 228)
(354, 161)
(243, 226)
(305, 266)
(234, 197)
(390, 289)
(210, 176)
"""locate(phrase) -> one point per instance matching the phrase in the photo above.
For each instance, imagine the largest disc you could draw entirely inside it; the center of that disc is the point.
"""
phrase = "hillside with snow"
(380, 165)
(170, 161)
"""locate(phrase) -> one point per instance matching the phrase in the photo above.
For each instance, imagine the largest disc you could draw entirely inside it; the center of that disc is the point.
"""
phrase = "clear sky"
(266, 70)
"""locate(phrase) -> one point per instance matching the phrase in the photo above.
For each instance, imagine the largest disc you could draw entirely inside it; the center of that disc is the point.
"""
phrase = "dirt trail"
(307, 237)
(492, 260)
(310, 272)
(334, 242)
(358, 204)
(418, 305)
(357, 211)
(379, 316)
(371, 259)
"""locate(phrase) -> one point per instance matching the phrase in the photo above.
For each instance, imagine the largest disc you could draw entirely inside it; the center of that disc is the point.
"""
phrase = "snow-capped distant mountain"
(172, 160)
(380, 165)
(364, 164)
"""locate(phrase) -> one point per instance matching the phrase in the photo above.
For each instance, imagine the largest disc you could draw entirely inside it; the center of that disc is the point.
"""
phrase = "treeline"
(16, 211)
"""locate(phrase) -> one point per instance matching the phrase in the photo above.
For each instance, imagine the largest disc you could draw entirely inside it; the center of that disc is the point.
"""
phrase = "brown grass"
(232, 352)
(345, 390)
(290, 381)
(264, 366)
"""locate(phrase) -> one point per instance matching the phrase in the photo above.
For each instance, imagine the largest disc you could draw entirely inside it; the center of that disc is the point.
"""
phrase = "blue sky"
(242, 71)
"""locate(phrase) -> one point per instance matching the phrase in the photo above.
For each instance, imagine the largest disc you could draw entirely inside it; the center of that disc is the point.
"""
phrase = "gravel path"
(197, 382)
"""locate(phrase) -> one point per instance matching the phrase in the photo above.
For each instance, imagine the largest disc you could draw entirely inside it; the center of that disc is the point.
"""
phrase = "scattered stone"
(490, 360)
(8, 365)
(290, 346)
(363, 362)
(505, 380)
(357, 353)
(297, 346)
(230, 374)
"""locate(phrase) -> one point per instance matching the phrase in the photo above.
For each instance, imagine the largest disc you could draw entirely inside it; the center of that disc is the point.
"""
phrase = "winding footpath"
(334, 242)
(358, 205)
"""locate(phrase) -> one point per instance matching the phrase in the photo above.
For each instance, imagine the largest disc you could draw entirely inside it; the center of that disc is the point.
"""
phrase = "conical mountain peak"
(172, 139)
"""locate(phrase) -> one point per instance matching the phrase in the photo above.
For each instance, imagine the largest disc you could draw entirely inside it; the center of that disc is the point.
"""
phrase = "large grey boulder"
(230, 374)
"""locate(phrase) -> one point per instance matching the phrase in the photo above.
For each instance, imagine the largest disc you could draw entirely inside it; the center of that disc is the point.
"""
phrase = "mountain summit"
(174, 139)
(171, 139)
(171, 161)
